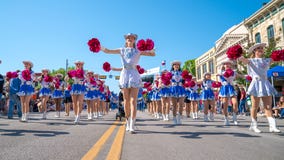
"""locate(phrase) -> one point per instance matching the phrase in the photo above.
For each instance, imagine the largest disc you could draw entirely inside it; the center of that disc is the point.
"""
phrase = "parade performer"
(57, 94)
(90, 94)
(177, 91)
(194, 97)
(45, 91)
(260, 88)
(130, 80)
(207, 96)
(26, 91)
(156, 98)
(67, 99)
(165, 93)
(78, 89)
(227, 91)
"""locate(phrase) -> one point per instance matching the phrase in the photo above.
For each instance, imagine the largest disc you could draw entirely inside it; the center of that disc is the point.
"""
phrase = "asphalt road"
(105, 138)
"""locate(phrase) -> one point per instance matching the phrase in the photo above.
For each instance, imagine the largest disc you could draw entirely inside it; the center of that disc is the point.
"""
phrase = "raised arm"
(116, 69)
(148, 53)
(110, 51)
(243, 60)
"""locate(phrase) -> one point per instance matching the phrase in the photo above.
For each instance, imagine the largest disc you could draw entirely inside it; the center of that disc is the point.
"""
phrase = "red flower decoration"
(277, 55)
(138, 67)
(248, 78)
(71, 73)
(106, 67)
(79, 73)
(216, 84)
(149, 44)
(48, 78)
(141, 45)
(26, 74)
(234, 52)
(94, 45)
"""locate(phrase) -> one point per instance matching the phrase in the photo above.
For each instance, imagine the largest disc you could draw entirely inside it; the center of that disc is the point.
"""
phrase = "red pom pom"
(144, 92)
(94, 45)
(14, 74)
(187, 83)
(216, 84)
(149, 44)
(9, 75)
(79, 73)
(185, 75)
(277, 55)
(248, 78)
(26, 74)
(234, 52)
(192, 83)
(141, 70)
(48, 78)
(141, 45)
(71, 73)
(106, 67)
(228, 73)
(93, 82)
(147, 85)
(138, 67)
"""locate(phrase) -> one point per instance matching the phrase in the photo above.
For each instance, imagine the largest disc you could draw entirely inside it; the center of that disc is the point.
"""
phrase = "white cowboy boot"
(235, 119)
(272, 125)
(226, 121)
(206, 118)
(131, 127)
(127, 128)
(253, 126)
(211, 116)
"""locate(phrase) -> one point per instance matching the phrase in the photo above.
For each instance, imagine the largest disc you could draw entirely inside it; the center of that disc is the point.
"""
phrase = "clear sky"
(47, 32)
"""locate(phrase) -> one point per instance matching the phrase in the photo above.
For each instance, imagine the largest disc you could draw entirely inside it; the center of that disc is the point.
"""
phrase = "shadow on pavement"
(15, 132)
(198, 135)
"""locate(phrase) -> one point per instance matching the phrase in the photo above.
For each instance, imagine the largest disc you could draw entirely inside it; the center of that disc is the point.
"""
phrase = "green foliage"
(189, 65)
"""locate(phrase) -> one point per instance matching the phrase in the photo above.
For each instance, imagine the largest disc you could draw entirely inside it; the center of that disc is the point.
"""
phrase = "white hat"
(45, 69)
(252, 48)
(81, 62)
(204, 74)
(175, 62)
(59, 75)
(29, 62)
(90, 72)
(227, 60)
(131, 34)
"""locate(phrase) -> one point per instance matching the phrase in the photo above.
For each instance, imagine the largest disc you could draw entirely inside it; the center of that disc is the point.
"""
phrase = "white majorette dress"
(227, 88)
(129, 76)
(194, 96)
(58, 91)
(26, 88)
(155, 90)
(45, 87)
(177, 89)
(207, 92)
(165, 90)
(259, 86)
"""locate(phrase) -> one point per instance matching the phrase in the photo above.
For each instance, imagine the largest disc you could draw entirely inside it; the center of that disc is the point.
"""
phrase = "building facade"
(265, 24)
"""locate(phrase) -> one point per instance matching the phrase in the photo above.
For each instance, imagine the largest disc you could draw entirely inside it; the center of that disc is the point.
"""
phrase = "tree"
(189, 65)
